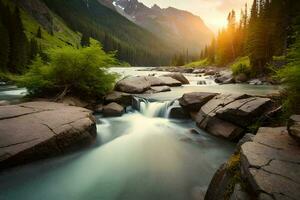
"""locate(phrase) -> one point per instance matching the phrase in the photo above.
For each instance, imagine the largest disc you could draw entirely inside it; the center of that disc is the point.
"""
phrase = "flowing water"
(140, 156)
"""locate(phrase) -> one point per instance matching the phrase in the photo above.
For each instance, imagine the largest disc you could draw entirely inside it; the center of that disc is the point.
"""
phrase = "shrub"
(200, 63)
(241, 65)
(290, 77)
(78, 72)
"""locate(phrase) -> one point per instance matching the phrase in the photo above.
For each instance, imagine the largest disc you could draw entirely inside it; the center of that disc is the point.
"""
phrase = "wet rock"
(122, 98)
(294, 127)
(271, 164)
(195, 100)
(179, 77)
(255, 82)
(244, 112)
(201, 83)
(37, 130)
(225, 78)
(241, 78)
(170, 81)
(210, 72)
(218, 185)
(113, 110)
(177, 112)
(98, 109)
(4, 103)
(199, 71)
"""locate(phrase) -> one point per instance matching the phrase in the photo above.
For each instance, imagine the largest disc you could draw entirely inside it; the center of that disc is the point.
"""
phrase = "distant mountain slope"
(35, 14)
(175, 26)
(134, 44)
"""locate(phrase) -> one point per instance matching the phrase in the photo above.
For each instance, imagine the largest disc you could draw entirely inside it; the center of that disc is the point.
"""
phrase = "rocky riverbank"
(36, 130)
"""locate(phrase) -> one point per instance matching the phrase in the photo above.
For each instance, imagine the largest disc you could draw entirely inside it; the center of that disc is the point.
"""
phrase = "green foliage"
(241, 65)
(79, 72)
(200, 63)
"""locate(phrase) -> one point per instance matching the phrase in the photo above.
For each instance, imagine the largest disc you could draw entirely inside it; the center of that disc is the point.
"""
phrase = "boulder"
(177, 112)
(195, 100)
(210, 72)
(133, 85)
(241, 78)
(113, 110)
(225, 78)
(170, 81)
(271, 164)
(244, 112)
(36, 130)
(255, 82)
(179, 77)
(122, 98)
(294, 127)
(199, 71)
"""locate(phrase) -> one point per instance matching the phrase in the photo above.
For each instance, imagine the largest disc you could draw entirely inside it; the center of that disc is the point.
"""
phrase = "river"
(142, 155)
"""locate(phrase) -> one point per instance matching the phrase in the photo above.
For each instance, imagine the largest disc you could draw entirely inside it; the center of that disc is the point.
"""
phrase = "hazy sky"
(213, 12)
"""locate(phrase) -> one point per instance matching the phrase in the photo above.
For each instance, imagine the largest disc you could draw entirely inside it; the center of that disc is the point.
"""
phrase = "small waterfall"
(154, 109)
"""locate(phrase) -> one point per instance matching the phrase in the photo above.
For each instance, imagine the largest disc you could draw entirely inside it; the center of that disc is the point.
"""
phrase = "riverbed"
(142, 155)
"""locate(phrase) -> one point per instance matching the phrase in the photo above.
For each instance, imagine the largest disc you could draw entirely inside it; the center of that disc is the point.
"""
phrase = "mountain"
(175, 26)
(134, 44)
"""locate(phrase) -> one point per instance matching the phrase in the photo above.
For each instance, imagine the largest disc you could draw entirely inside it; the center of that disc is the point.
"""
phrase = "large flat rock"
(36, 130)
(271, 164)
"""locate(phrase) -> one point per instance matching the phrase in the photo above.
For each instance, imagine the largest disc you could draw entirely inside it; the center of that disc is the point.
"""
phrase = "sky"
(213, 12)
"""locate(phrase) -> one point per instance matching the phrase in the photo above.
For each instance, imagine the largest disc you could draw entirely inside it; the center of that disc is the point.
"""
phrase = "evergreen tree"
(18, 57)
(39, 33)
(4, 47)
(34, 48)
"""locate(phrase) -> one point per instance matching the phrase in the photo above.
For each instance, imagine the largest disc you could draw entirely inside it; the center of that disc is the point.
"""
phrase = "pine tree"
(39, 33)
(18, 57)
(4, 47)
(34, 48)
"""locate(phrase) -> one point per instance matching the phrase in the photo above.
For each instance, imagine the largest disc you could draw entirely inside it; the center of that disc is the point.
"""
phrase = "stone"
(255, 82)
(225, 78)
(271, 164)
(122, 98)
(241, 78)
(170, 81)
(36, 130)
(210, 72)
(98, 109)
(239, 194)
(294, 127)
(195, 100)
(247, 138)
(4, 103)
(113, 110)
(133, 85)
(179, 77)
(157, 89)
(199, 71)
(223, 129)
(244, 112)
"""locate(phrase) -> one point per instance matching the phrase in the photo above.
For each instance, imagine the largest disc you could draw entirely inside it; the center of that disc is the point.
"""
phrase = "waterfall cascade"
(154, 109)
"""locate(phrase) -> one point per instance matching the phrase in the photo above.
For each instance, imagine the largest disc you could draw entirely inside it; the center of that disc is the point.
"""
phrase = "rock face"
(113, 110)
(227, 115)
(271, 164)
(192, 102)
(179, 77)
(37, 130)
(140, 84)
(294, 127)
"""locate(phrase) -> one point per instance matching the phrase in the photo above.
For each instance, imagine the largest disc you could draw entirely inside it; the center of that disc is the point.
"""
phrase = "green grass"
(241, 65)
(200, 63)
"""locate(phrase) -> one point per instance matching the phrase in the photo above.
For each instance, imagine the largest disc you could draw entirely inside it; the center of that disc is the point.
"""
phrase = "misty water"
(142, 155)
